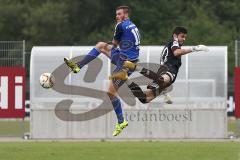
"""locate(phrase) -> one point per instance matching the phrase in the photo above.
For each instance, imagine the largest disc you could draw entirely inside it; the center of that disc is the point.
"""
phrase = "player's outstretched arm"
(179, 52)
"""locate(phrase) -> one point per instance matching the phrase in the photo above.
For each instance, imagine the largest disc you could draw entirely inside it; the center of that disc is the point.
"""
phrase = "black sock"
(137, 92)
(154, 76)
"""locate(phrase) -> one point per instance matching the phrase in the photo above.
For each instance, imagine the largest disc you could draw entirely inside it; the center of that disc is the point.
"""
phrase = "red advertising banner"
(237, 91)
(12, 92)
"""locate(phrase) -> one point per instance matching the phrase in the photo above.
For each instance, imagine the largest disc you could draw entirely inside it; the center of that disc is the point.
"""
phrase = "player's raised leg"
(144, 71)
(161, 80)
(137, 92)
(72, 65)
(143, 96)
(101, 47)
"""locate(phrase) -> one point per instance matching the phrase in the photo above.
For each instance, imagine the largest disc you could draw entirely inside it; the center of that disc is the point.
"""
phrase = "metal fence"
(237, 53)
(12, 53)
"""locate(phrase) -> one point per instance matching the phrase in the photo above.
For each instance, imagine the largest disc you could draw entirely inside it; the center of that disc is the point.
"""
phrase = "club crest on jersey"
(125, 45)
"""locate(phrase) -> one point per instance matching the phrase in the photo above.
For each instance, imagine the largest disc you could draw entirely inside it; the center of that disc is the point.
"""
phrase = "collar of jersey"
(126, 20)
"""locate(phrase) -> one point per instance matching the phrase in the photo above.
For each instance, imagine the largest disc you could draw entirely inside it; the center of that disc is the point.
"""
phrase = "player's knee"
(112, 92)
(167, 80)
(111, 95)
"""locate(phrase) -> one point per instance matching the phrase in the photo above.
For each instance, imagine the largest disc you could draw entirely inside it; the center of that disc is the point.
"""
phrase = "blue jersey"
(128, 36)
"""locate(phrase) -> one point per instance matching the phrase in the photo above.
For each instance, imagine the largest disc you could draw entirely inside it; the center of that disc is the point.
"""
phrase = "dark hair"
(179, 30)
(126, 9)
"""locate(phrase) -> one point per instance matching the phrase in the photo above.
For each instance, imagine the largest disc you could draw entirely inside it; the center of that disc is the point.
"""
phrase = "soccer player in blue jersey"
(127, 37)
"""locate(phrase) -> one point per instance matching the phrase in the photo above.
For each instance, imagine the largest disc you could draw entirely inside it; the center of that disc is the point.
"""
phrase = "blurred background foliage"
(85, 22)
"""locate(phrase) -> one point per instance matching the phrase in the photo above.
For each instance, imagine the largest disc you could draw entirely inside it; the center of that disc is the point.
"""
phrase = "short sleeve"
(175, 45)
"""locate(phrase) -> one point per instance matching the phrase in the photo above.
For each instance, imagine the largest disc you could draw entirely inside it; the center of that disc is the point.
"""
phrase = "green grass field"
(120, 150)
(232, 126)
(13, 128)
(71, 150)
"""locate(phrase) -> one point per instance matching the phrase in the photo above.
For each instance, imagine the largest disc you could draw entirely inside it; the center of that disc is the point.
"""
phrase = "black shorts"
(164, 69)
(172, 72)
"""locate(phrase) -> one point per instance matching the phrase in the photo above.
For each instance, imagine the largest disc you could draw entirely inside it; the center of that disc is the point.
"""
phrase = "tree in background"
(84, 22)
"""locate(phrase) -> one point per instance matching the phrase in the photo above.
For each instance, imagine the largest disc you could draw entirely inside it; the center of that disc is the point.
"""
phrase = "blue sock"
(118, 109)
(89, 57)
